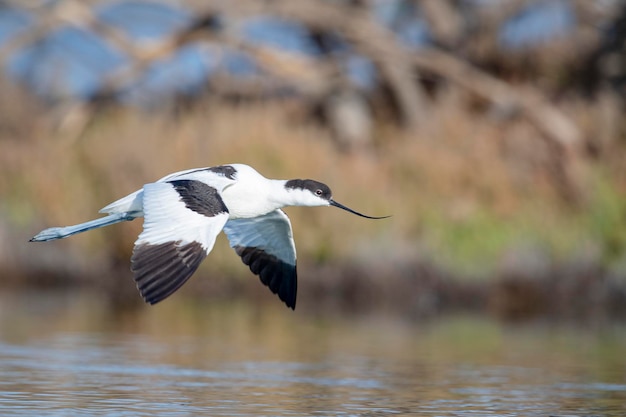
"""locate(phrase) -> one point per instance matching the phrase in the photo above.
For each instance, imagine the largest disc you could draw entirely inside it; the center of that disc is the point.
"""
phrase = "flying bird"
(185, 211)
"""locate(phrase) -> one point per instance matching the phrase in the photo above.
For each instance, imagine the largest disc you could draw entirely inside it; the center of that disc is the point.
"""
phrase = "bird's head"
(313, 193)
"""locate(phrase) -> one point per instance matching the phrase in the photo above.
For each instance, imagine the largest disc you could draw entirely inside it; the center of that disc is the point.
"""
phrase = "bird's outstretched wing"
(182, 219)
(265, 244)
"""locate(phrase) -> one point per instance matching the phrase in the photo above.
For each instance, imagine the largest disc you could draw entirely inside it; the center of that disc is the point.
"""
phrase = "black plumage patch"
(280, 277)
(160, 269)
(224, 170)
(200, 197)
(318, 188)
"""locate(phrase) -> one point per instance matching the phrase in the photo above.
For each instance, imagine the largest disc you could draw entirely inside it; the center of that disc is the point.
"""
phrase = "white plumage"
(185, 211)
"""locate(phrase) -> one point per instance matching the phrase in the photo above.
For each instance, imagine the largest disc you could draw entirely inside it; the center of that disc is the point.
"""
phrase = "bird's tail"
(54, 233)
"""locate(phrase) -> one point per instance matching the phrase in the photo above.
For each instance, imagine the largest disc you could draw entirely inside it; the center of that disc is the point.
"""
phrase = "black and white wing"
(182, 219)
(266, 245)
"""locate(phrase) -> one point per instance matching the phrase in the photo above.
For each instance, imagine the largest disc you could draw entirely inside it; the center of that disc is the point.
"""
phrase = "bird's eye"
(319, 192)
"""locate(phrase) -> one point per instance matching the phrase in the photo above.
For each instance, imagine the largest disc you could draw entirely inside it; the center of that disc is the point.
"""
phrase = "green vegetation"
(475, 244)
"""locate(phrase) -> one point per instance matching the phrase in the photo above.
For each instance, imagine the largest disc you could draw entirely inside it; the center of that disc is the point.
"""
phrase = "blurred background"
(492, 131)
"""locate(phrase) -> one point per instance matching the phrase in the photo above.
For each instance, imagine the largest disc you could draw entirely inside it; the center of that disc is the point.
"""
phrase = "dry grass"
(464, 190)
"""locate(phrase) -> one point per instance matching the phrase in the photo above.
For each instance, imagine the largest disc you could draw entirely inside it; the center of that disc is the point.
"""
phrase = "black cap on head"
(319, 189)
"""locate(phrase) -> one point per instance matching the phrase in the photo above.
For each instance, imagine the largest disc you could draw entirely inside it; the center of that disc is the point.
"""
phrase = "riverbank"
(479, 221)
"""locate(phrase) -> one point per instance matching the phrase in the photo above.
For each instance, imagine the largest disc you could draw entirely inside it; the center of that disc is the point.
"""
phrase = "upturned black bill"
(341, 206)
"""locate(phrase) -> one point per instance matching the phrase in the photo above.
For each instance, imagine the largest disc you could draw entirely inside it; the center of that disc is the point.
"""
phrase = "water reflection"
(65, 354)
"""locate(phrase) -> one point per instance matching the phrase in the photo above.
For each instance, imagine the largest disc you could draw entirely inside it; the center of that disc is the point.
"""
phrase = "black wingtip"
(161, 269)
(280, 277)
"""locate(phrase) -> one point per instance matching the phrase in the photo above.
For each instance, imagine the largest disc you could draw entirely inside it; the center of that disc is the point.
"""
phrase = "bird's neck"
(246, 200)
(279, 195)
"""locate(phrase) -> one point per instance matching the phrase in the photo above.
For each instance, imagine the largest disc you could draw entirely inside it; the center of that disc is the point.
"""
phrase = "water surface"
(66, 354)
